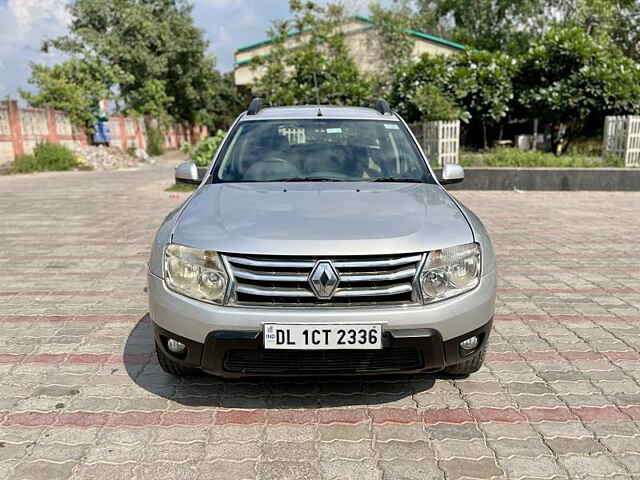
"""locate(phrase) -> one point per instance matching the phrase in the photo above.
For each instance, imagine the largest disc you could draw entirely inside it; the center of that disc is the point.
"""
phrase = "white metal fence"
(440, 140)
(622, 138)
(295, 136)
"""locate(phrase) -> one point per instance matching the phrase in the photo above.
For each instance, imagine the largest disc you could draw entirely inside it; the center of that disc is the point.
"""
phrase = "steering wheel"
(272, 166)
(279, 160)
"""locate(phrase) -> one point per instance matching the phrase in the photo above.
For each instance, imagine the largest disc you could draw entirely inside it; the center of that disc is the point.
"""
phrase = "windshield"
(321, 150)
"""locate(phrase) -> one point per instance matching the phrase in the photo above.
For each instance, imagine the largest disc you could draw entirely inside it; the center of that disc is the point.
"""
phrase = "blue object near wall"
(102, 132)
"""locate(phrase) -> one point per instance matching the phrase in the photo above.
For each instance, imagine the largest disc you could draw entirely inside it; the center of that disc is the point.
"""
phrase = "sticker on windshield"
(334, 130)
(391, 126)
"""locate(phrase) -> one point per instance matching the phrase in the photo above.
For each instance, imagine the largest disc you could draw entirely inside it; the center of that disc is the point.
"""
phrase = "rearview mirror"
(452, 173)
(187, 172)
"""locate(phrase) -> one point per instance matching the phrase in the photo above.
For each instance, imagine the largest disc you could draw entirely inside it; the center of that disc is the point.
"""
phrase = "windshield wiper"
(397, 179)
(306, 179)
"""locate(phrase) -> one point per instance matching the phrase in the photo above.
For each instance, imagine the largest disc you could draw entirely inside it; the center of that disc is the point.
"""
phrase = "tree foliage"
(161, 57)
(479, 82)
(483, 24)
(435, 105)
(576, 71)
(390, 42)
(568, 76)
(74, 86)
(430, 71)
(319, 67)
(510, 26)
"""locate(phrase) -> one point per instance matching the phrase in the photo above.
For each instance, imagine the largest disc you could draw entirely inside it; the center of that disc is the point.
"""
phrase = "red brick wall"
(22, 128)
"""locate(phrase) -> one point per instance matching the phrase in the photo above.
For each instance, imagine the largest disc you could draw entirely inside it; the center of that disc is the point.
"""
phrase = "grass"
(181, 187)
(47, 158)
(512, 157)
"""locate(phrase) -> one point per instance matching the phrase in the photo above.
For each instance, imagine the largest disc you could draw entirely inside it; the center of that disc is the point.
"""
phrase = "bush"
(202, 152)
(511, 157)
(434, 105)
(46, 157)
(586, 146)
(155, 142)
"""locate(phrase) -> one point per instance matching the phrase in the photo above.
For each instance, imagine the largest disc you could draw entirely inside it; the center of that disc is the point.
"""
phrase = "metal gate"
(622, 138)
(440, 140)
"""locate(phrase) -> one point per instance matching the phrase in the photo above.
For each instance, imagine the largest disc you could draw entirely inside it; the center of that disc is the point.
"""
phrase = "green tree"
(494, 25)
(167, 70)
(434, 105)
(391, 41)
(75, 87)
(435, 71)
(479, 82)
(569, 77)
(227, 102)
(602, 19)
(318, 68)
(485, 86)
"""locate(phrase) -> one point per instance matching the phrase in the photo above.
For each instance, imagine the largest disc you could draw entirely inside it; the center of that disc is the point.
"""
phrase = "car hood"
(321, 219)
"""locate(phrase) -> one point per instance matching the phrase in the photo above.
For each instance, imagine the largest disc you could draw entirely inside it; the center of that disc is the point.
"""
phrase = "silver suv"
(320, 242)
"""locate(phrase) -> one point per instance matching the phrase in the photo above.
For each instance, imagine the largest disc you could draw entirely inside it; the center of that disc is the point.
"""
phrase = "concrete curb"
(569, 179)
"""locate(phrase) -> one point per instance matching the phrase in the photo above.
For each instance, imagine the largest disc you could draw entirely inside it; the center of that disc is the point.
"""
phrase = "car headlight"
(450, 272)
(196, 273)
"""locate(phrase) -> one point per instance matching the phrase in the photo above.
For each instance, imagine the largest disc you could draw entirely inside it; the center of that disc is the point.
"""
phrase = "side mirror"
(452, 173)
(187, 172)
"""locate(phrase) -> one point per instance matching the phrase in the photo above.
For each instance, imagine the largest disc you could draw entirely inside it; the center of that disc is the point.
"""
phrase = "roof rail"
(382, 106)
(255, 106)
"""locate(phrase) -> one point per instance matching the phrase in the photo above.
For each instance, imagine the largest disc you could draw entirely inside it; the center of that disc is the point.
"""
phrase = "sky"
(227, 24)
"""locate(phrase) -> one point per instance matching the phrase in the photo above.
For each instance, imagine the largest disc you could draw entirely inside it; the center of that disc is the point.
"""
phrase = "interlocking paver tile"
(224, 470)
(99, 471)
(446, 449)
(586, 466)
(345, 449)
(410, 470)
(482, 468)
(566, 446)
(290, 433)
(344, 432)
(631, 462)
(290, 470)
(444, 431)
(540, 467)
(409, 433)
(84, 397)
(289, 451)
(619, 445)
(524, 447)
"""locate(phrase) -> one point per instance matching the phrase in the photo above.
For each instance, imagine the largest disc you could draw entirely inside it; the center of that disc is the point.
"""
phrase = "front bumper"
(195, 320)
(237, 354)
(212, 332)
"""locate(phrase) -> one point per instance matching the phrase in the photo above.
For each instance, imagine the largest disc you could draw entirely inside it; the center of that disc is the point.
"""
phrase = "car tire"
(172, 367)
(468, 366)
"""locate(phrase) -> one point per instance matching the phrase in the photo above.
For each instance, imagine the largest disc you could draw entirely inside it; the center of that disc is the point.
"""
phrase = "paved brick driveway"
(81, 395)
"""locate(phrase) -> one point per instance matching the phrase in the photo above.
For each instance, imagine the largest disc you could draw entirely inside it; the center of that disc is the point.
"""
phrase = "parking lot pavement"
(82, 396)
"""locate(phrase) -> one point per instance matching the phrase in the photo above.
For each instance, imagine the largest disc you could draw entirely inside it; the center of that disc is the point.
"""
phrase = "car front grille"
(364, 280)
(299, 362)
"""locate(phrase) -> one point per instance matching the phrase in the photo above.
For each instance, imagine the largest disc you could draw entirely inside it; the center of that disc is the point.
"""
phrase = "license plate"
(322, 337)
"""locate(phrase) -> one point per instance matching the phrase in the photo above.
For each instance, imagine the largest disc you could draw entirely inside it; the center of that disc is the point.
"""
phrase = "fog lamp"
(176, 346)
(470, 343)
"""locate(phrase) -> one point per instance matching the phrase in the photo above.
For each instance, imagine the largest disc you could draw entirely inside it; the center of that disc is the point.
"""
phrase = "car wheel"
(470, 365)
(172, 367)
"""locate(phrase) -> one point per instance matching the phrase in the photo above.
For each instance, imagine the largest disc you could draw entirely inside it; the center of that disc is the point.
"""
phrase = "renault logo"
(324, 279)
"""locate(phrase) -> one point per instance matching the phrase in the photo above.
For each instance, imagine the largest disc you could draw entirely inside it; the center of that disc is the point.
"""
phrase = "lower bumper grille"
(322, 362)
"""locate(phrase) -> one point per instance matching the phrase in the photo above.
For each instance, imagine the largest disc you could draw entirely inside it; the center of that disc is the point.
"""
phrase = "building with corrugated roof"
(360, 34)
